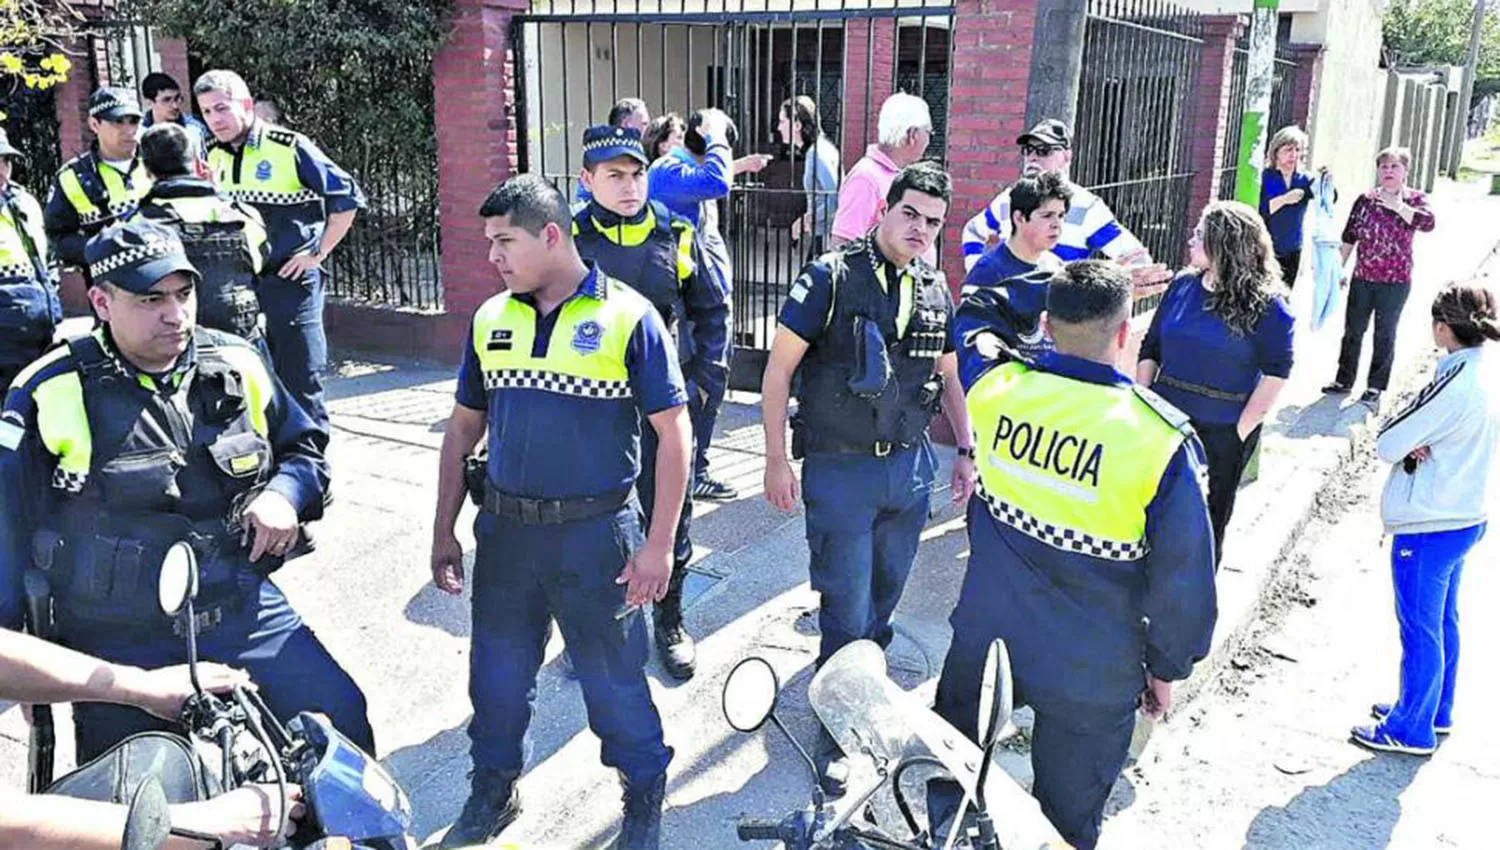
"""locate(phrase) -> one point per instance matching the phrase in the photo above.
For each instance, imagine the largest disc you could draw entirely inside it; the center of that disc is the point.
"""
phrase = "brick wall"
(1309, 58)
(869, 57)
(174, 62)
(1215, 115)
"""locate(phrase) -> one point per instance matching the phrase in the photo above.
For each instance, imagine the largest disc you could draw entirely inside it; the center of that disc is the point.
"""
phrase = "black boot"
(493, 804)
(832, 764)
(675, 646)
(641, 829)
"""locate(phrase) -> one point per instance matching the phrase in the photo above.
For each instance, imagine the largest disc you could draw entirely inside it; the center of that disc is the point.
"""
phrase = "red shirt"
(1383, 238)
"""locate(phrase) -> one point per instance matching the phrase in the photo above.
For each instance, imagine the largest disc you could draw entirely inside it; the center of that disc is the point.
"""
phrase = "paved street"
(369, 594)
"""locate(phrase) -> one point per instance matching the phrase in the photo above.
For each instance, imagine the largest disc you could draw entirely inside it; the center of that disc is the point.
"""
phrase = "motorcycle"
(870, 715)
(351, 801)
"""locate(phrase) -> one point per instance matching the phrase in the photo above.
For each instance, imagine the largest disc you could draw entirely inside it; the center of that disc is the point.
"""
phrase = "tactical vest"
(648, 256)
(29, 307)
(914, 335)
(1070, 463)
(98, 193)
(140, 469)
(264, 172)
(217, 243)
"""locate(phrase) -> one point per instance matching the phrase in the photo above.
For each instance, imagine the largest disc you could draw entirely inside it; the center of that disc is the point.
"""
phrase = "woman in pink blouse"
(1380, 231)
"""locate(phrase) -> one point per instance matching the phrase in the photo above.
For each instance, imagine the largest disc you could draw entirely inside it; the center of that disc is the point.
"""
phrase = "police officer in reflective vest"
(565, 369)
(102, 185)
(1091, 551)
(308, 204)
(145, 433)
(868, 325)
(224, 239)
(29, 308)
(643, 245)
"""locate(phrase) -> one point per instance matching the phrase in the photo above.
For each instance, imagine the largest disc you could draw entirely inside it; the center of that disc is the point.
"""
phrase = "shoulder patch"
(12, 430)
(1163, 408)
(54, 362)
(281, 136)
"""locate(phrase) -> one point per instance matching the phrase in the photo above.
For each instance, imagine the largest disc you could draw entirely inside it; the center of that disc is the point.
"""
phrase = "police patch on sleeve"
(800, 289)
(11, 431)
(587, 337)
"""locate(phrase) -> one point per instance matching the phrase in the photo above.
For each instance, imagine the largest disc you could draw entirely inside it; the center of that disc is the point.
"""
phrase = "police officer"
(1091, 551)
(868, 325)
(145, 433)
(29, 307)
(643, 245)
(102, 185)
(224, 239)
(565, 369)
(308, 204)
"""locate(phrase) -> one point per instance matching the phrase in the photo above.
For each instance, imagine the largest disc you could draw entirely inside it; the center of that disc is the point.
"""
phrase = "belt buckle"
(882, 448)
(531, 513)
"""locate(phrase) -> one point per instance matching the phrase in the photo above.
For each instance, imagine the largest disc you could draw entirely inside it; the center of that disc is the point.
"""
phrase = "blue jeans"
(295, 337)
(263, 636)
(1425, 569)
(524, 576)
(865, 515)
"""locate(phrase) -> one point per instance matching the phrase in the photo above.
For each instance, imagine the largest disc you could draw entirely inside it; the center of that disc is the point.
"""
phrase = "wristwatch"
(968, 452)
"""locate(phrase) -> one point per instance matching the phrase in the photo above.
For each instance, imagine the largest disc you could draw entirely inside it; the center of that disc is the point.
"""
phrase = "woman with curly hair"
(1220, 345)
(1442, 451)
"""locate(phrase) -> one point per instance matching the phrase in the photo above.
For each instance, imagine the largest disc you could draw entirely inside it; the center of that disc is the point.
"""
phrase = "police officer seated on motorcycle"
(148, 432)
(29, 307)
(645, 246)
(867, 324)
(35, 671)
(1091, 552)
(225, 240)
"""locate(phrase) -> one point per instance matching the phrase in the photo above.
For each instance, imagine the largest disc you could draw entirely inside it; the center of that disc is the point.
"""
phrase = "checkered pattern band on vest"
(249, 196)
(68, 482)
(153, 248)
(18, 270)
(1066, 539)
(123, 209)
(552, 382)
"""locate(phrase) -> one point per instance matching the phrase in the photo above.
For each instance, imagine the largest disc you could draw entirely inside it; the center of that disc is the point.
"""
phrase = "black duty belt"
(879, 448)
(554, 511)
(1199, 389)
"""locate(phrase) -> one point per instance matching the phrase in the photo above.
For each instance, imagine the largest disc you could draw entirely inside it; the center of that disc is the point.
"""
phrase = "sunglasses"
(1040, 150)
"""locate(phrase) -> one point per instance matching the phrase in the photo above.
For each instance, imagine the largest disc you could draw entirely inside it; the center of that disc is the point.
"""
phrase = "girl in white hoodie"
(1442, 447)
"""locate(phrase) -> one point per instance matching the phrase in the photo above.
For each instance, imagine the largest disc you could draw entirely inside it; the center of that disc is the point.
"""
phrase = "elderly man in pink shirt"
(905, 131)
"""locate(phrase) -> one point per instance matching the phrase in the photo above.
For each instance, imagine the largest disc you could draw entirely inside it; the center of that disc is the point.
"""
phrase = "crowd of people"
(1102, 490)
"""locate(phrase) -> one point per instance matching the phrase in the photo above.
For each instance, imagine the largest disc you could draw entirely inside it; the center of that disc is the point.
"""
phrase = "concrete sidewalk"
(369, 593)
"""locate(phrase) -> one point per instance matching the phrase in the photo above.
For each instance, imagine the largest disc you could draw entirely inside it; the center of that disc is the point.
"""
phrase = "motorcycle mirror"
(996, 694)
(179, 579)
(750, 694)
(148, 821)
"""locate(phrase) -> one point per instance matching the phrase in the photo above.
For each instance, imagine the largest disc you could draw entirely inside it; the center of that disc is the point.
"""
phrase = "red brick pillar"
(869, 66)
(72, 99)
(992, 45)
(174, 63)
(475, 116)
(1309, 58)
(1213, 113)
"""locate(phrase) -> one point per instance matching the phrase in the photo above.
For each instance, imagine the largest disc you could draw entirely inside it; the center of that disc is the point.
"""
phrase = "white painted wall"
(1346, 118)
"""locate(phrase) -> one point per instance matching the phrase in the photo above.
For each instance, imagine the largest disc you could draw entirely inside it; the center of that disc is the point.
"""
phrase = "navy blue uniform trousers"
(263, 636)
(296, 339)
(865, 516)
(682, 545)
(526, 575)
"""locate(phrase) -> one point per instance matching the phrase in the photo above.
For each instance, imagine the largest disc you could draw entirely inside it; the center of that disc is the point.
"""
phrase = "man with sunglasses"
(104, 184)
(1090, 227)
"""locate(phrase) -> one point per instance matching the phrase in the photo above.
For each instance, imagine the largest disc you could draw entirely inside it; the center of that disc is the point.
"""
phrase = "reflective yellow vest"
(16, 263)
(1071, 463)
(119, 201)
(267, 172)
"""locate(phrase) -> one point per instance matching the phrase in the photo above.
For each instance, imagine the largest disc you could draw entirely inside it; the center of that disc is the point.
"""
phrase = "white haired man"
(905, 132)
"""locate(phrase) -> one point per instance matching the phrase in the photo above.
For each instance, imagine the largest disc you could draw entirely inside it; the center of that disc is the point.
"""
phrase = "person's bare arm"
(245, 816)
(465, 427)
(1260, 403)
(1145, 372)
(964, 472)
(787, 351)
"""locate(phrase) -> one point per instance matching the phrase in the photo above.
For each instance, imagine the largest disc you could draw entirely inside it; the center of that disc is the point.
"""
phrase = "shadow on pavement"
(1329, 416)
(1361, 807)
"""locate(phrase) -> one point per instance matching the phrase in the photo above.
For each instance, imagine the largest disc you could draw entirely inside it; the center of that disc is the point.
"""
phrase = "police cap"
(602, 143)
(135, 255)
(112, 104)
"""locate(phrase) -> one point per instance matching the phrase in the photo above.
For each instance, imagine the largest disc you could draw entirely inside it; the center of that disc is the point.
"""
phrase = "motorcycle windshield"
(863, 709)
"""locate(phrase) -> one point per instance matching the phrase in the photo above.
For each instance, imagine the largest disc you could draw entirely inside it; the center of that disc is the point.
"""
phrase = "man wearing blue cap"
(105, 183)
(644, 245)
(29, 309)
(148, 432)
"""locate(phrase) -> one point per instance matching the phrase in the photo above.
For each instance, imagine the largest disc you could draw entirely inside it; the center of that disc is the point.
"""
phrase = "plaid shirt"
(1384, 238)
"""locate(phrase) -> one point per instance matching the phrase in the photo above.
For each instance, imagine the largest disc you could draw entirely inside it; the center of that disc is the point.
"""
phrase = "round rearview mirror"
(750, 694)
(996, 694)
(179, 579)
(148, 821)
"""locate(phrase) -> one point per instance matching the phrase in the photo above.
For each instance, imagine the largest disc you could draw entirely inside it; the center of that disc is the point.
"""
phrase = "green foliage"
(1436, 32)
(31, 35)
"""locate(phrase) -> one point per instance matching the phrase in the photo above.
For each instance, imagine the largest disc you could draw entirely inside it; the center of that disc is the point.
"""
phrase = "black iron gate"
(1281, 115)
(1135, 114)
(577, 57)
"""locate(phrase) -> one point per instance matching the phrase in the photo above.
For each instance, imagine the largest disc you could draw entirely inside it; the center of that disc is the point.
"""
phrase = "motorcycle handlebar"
(758, 829)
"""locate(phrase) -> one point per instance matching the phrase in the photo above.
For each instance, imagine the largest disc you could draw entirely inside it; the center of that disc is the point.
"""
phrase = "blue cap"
(602, 143)
(112, 104)
(135, 255)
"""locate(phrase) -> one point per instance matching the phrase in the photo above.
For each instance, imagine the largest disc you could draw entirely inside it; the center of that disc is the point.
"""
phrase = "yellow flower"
(10, 63)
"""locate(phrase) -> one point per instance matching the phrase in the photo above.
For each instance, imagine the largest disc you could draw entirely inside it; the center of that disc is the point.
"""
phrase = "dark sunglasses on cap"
(1033, 149)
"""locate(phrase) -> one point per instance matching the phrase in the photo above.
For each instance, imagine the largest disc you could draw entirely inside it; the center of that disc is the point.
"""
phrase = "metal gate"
(1282, 94)
(1135, 111)
(575, 58)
